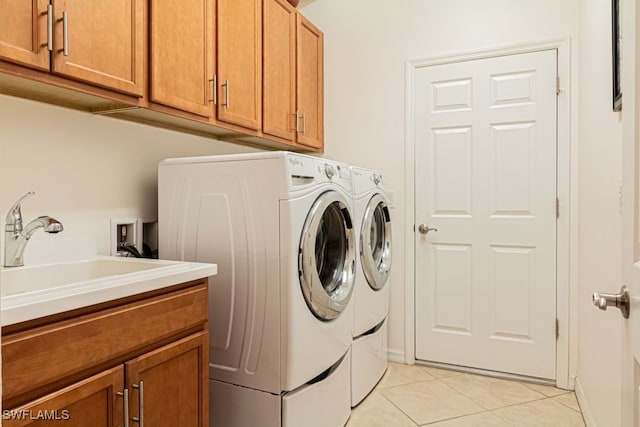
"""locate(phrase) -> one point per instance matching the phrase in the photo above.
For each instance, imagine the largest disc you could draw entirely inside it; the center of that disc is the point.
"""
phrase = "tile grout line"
(468, 397)
(484, 409)
(531, 388)
(399, 409)
(543, 397)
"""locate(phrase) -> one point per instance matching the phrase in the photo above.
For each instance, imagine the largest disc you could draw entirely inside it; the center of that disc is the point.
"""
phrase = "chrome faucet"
(16, 236)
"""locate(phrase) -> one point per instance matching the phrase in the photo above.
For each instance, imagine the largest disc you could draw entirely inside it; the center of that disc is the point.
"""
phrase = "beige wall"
(367, 44)
(85, 169)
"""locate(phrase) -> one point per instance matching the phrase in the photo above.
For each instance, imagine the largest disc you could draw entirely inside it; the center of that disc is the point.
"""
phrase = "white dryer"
(279, 226)
(371, 295)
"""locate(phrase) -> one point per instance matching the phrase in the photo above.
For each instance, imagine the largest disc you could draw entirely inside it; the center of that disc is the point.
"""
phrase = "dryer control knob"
(377, 179)
(329, 171)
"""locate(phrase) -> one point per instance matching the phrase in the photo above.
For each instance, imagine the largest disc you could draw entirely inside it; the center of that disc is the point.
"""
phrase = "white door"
(630, 219)
(485, 180)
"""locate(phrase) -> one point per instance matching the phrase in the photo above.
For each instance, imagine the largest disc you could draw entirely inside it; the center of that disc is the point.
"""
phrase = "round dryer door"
(375, 242)
(327, 258)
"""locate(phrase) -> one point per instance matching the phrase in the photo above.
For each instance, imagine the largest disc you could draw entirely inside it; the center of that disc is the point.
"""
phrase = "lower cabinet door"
(169, 386)
(91, 402)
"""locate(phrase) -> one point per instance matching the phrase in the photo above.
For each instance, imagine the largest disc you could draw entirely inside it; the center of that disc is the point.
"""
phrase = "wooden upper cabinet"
(182, 54)
(23, 32)
(310, 84)
(279, 73)
(101, 42)
(174, 379)
(240, 63)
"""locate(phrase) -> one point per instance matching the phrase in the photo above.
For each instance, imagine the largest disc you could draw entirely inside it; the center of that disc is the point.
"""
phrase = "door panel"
(486, 180)
(310, 91)
(105, 43)
(171, 380)
(90, 402)
(630, 233)
(23, 32)
(182, 51)
(240, 62)
(279, 62)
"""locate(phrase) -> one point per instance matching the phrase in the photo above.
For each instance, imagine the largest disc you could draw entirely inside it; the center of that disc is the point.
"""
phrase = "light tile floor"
(419, 395)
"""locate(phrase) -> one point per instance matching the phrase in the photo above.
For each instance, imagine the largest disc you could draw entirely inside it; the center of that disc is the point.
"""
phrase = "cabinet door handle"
(50, 27)
(297, 116)
(125, 405)
(65, 34)
(214, 82)
(140, 418)
(226, 94)
(304, 123)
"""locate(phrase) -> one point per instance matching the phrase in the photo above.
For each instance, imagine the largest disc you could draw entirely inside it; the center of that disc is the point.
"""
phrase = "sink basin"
(35, 291)
(49, 276)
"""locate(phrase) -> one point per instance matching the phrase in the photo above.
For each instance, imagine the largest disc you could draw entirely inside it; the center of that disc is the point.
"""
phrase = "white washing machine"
(279, 226)
(369, 358)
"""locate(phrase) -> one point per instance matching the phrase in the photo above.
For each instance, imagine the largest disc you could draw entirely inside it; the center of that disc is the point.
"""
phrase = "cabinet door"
(91, 402)
(182, 54)
(279, 69)
(240, 62)
(23, 32)
(173, 381)
(310, 91)
(103, 43)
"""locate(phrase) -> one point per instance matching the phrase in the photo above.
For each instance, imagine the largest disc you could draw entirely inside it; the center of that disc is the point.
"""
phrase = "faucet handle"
(14, 216)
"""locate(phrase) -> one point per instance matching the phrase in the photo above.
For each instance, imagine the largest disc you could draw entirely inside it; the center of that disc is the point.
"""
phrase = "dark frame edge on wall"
(615, 55)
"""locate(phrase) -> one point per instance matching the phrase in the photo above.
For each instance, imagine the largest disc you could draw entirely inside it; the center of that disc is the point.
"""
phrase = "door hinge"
(557, 329)
(557, 85)
(557, 208)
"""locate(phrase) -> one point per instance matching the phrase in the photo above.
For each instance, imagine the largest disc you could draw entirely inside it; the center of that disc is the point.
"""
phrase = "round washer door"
(327, 256)
(375, 242)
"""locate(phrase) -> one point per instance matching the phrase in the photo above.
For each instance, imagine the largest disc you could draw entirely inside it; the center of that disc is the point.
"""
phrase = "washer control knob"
(329, 170)
(377, 178)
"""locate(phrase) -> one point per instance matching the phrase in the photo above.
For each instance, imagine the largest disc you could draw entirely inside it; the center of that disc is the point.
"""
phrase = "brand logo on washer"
(294, 161)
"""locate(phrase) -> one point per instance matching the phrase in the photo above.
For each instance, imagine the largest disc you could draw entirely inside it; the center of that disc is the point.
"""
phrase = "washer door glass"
(375, 242)
(327, 260)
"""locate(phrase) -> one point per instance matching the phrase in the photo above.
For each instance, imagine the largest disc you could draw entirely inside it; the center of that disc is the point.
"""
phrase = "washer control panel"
(329, 170)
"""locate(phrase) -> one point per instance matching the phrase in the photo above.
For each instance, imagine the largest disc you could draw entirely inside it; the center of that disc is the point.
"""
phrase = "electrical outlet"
(124, 232)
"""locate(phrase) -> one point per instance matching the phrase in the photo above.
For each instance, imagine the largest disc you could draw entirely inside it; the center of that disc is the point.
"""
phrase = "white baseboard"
(584, 406)
(396, 356)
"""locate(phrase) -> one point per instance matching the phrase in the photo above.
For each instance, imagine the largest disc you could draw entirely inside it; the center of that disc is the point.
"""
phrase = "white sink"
(50, 276)
(34, 291)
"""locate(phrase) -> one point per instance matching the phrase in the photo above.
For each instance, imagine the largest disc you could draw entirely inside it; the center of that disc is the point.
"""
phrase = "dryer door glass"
(375, 242)
(327, 259)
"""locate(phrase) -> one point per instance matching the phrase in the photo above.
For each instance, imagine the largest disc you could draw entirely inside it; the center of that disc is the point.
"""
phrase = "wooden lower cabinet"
(172, 380)
(90, 402)
(162, 385)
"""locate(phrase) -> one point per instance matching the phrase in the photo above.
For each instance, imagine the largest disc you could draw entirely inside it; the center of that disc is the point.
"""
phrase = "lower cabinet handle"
(125, 405)
(140, 418)
(65, 34)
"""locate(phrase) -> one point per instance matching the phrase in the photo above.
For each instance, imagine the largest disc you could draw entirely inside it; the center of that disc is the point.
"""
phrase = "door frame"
(567, 178)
